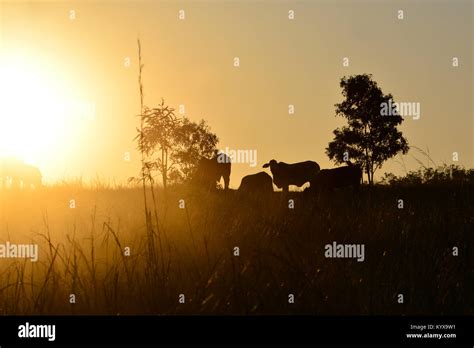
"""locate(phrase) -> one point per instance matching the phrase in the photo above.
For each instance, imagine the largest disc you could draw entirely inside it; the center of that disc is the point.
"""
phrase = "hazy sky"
(190, 62)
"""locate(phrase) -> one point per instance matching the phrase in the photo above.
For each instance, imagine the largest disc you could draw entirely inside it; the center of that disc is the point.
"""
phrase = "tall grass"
(146, 177)
(408, 251)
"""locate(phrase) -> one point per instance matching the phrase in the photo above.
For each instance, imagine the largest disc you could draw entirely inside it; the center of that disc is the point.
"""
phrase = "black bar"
(240, 329)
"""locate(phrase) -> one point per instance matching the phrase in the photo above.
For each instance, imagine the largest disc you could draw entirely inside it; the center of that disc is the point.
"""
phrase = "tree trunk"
(367, 170)
(368, 165)
(164, 171)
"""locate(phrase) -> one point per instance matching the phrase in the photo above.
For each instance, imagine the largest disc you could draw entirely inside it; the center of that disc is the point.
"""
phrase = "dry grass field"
(100, 251)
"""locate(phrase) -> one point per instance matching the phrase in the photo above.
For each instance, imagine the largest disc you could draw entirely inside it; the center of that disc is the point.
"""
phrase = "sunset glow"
(237, 158)
(31, 112)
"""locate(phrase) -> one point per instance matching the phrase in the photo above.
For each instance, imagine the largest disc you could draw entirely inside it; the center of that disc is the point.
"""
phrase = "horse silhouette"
(297, 174)
(329, 179)
(260, 183)
(16, 174)
(210, 171)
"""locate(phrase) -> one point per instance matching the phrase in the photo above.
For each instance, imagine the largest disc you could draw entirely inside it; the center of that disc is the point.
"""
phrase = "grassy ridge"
(407, 251)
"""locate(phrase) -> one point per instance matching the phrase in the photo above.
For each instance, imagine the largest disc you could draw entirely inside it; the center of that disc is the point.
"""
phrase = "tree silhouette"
(193, 141)
(173, 146)
(157, 136)
(369, 139)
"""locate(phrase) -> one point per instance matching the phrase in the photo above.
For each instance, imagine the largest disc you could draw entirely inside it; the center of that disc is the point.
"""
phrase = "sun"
(33, 111)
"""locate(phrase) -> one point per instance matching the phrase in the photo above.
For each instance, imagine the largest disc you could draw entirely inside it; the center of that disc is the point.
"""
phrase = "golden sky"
(48, 58)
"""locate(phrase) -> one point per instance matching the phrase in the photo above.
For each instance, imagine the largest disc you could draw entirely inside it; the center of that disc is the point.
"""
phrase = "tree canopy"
(369, 138)
(173, 146)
